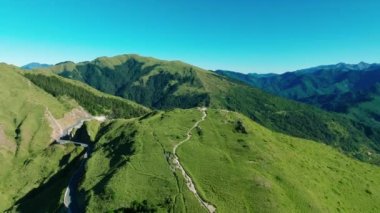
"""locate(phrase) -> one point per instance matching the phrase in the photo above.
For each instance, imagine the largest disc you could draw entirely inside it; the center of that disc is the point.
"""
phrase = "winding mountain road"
(177, 164)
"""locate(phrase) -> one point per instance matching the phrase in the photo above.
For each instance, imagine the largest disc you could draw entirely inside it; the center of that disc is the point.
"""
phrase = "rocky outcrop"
(69, 119)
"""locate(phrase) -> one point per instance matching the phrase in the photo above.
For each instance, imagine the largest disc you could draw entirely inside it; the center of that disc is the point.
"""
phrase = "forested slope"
(94, 101)
(349, 89)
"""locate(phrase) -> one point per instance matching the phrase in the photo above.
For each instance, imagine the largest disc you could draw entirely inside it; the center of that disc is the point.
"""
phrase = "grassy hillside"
(27, 159)
(236, 164)
(341, 88)
(172, 84)
(93, 100)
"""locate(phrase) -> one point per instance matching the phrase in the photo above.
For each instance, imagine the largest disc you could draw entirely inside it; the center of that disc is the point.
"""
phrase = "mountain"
(35, 65)
(235, 164)
(170, 159)
(153, 83)
(27, 157)
(172, 84)
(349, 89)
(31, 119)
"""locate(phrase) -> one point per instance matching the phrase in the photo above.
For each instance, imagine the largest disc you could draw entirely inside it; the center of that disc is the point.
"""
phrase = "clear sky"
(242, 35)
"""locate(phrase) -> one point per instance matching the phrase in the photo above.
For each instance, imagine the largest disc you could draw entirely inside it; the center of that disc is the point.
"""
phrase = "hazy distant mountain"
(352, 89)
(35, 65)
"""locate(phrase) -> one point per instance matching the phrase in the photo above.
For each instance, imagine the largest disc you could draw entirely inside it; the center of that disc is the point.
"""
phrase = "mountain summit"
(35, 65)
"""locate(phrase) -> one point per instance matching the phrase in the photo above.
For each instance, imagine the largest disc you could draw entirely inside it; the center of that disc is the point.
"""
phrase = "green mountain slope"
(349, 89)
(172, 84)
(236, 165)
(34, 172)
(27, 159)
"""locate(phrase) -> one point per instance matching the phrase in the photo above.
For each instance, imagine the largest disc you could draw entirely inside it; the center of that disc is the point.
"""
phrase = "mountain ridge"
(166, 85)
(240, 165)
(344, 88)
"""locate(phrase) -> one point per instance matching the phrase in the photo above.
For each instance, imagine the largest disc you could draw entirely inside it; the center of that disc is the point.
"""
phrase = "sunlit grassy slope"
(27, 160)
(237, 165)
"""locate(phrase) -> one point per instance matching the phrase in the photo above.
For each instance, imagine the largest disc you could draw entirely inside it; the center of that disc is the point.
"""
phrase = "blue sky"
(247, 36)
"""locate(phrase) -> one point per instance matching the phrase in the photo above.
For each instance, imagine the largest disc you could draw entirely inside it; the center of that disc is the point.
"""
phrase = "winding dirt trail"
(177, 164)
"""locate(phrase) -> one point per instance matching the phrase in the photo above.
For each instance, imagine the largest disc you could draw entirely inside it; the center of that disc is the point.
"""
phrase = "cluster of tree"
(94, 103)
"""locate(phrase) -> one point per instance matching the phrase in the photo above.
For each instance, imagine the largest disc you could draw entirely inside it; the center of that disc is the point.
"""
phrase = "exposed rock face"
(69, 119)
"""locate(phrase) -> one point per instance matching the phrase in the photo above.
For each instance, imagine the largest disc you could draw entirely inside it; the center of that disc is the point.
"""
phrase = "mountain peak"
(362, 66)
(35, 65)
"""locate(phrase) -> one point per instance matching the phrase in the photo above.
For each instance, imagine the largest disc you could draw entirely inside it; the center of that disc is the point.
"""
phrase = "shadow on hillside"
(47, 197)
(118, 151)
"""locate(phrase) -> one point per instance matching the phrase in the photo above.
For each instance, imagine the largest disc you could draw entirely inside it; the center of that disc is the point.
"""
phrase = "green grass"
(261, 171)
(34, 172)
(27, 160)
(270, 172)
(127, 168)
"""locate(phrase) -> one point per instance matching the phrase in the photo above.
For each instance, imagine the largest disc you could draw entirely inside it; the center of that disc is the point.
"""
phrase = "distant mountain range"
(351, 89)
(35, 65)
